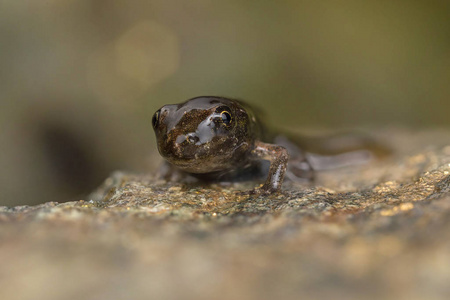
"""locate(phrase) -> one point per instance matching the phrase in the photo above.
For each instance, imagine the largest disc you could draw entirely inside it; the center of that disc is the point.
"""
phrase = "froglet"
(214, 137)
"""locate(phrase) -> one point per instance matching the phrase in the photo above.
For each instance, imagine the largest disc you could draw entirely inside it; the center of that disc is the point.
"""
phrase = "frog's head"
(204, 134)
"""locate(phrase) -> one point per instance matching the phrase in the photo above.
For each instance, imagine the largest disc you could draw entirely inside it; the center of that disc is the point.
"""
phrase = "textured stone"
(377, 231)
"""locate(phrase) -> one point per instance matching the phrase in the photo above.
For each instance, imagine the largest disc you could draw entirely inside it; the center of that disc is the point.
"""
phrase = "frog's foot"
(263, 190)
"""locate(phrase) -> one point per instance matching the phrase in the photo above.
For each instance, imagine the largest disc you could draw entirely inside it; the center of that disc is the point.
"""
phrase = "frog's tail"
(320, 162)
(340, 150)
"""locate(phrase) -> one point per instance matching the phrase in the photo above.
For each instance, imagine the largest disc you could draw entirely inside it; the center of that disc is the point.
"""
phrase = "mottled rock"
(377, 231)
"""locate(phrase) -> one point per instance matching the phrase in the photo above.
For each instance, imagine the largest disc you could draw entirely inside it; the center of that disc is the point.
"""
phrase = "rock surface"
(378, 231)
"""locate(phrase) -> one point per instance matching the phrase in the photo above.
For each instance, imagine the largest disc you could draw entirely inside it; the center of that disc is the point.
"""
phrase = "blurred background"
(80, 79)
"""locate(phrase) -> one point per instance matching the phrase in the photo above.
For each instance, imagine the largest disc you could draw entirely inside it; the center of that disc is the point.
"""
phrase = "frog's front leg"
(278, 157)
(299, 168)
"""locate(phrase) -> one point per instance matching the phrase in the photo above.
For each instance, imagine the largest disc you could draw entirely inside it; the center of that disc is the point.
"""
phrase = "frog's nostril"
(192, 138)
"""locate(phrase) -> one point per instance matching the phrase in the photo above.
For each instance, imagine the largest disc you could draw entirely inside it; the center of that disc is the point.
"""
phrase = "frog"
(213, 137)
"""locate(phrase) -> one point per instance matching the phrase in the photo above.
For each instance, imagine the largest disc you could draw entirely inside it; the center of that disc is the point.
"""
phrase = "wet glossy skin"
(212, 136)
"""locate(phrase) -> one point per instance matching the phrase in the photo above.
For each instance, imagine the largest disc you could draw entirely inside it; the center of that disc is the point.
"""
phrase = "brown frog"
(214, 137)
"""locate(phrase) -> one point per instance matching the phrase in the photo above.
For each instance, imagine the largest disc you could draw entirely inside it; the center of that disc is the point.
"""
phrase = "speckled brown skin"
(213, 137)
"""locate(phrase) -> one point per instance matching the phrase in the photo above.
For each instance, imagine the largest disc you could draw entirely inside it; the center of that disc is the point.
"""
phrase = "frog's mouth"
(198, 165)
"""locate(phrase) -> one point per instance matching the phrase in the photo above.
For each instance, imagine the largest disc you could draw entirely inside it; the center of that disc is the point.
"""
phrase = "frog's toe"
(264, 190)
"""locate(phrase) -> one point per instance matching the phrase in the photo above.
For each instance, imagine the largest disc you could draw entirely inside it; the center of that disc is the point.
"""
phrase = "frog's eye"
(155, 119)
(225, 115)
